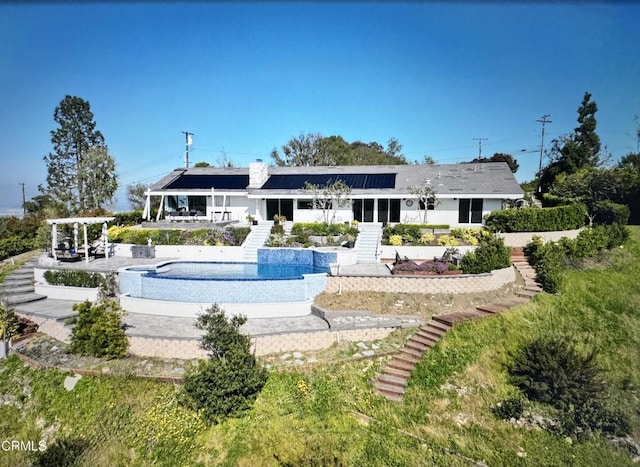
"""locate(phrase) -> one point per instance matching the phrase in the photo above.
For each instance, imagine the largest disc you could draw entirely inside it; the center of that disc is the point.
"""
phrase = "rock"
(297, 355)
(298, 362)
(285, 356)
(312, 360)
(368, 353)
(362, 345)
(54, 348)
(70, 382)
(375, 346)
(106, 370)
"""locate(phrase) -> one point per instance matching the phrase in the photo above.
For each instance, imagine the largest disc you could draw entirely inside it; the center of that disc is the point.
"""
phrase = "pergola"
(76, 221)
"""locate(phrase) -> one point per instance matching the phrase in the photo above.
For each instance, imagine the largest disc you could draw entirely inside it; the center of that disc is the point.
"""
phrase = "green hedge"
(72, 278)
(538, 220)
(551, 201)
(12, 246)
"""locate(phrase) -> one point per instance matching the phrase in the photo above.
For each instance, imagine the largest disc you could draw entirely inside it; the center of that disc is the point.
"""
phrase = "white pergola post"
(224, 206)
(213, 205)
(160, 208)
(86, 246)
(75, 236)
(54, 240)
(105, 240)
(146, 214)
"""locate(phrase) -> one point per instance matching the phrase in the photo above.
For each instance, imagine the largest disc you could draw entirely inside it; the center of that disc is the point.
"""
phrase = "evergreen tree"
(69, 166)
(575, 151)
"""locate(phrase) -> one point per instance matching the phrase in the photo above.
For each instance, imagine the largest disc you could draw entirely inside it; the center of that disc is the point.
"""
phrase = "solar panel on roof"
(224, 182)
(358, 181)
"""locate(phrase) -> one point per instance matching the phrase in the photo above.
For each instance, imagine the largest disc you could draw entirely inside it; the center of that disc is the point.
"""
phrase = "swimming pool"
(220, 271)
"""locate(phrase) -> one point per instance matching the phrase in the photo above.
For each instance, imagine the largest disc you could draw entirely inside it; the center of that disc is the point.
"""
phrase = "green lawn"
(331, 416)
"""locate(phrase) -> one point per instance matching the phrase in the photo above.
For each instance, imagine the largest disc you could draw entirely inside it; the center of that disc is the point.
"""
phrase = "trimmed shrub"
(489, 255)
(98, 330)
(538, 220)
(9, 325)
(607, 213)
(229, 382)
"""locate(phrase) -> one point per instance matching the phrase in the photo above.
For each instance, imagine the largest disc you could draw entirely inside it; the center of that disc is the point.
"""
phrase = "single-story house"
(379, 193)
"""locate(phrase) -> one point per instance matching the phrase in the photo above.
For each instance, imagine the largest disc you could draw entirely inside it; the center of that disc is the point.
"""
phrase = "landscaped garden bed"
(431, 235)
(229, 236)
(316, 234)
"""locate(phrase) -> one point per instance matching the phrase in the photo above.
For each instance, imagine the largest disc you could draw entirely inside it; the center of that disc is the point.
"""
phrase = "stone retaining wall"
(50, 327)
(467, 283)
(189, 348)
(516, 239)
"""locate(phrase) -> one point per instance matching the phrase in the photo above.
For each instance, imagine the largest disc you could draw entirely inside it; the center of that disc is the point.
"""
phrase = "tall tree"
(314, 149)
(500, 157)
(577, 150)
(97, 177)
(76, 135)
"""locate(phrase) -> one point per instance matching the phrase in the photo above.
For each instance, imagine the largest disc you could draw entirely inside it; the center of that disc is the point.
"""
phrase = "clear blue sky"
(247, 77)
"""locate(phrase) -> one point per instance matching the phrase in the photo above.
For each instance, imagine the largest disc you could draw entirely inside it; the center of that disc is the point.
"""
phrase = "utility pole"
(480, 140)
(24, 210)
(544, 121)
(188, 142)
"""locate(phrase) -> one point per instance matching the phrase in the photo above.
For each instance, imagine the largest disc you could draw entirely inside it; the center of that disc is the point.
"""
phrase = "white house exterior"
(380, 193)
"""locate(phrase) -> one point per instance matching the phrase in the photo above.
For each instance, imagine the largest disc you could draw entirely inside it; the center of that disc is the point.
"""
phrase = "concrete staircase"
(259, 234)
(17, 288)
(391, 383)
(368, 242)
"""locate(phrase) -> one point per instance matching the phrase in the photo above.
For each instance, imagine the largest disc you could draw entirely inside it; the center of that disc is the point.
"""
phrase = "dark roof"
(354, 181)
(224, 182)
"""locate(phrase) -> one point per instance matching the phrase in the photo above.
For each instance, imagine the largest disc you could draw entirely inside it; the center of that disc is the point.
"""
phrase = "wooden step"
(392, 380)
(491, 309)
(419, 346)
(414, 352)
(392, 396)
(389, 370)
(401, 364)
(390, 389)
(526, 294)
(409, 356)
(428, 340)
(434, 325)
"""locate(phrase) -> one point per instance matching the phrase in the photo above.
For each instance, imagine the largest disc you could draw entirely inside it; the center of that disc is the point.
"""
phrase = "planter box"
(427, 273)
(63, 292)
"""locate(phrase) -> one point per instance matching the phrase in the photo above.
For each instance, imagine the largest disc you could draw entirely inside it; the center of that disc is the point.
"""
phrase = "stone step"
(533, 288)
(392, 380)
(17, 289)
(18, 299)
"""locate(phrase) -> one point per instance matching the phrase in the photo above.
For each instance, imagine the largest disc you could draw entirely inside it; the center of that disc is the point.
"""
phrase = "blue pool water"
(234, 271)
